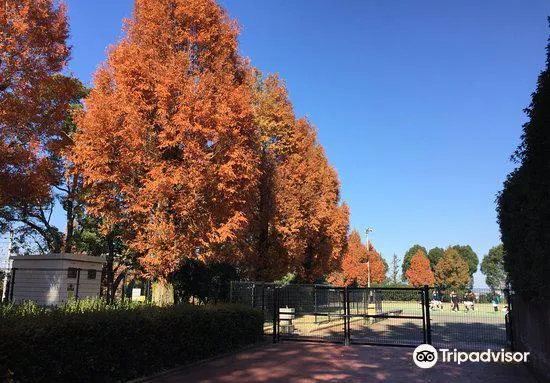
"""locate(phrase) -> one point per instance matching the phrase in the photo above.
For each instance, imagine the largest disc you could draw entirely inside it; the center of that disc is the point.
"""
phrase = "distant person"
(469, 299)
(495, 302)
(436, 301)
(454, 301)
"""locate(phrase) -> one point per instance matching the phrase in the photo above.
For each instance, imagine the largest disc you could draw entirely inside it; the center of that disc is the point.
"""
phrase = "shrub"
(118, 344)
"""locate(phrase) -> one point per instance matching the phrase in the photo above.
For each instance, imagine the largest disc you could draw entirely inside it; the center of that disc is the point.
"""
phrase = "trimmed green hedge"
(117, 345)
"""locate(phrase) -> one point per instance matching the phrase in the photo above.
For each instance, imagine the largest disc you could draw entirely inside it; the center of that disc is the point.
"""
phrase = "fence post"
(275, 304)
(346, 307)
(12, 280)
(315, 302)
(348, 316)
(428, 324)
(263, 296)
(77, 283)
(423, 299)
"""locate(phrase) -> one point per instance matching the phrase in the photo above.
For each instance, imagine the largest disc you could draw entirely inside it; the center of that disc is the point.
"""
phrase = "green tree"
(408, 256)
(434, 255)
(524, 203)
(470, 256)
(492, 266)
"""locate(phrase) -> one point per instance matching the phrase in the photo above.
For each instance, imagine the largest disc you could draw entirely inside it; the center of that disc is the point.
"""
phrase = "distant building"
(53, 279)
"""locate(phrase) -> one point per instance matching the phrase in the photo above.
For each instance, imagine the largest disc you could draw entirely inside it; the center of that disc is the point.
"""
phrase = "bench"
(286, 316)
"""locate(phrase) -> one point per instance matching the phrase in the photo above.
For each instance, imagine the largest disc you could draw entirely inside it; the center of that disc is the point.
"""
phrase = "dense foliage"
(408, 256)
(194, 154)
(420, 273)
(435, 255)
(35, 101)
(492, 266)
(358, 264)
(208, 282)
(119, 344)
(524, 203)
(452, 271)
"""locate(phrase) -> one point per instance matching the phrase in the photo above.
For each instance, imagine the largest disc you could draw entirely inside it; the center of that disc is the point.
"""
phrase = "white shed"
(53, 279)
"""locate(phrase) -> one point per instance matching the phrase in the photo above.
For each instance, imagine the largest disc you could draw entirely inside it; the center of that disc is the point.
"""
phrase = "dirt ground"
(304, 362)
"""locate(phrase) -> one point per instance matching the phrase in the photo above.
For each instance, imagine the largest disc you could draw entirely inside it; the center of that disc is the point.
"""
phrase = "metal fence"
(335, 314)
(472, 320)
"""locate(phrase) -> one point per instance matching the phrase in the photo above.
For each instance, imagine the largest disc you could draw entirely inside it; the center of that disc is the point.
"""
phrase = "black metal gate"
(376, 316)
(404, 316)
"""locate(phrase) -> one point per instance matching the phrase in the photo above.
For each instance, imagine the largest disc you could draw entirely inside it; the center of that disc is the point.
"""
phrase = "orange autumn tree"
(353, 266)
(311, 221)
(356, 264)
(35, 100)
(167, 143)
(420, 273)
(452, 270)
(377, 267)
(275, 121)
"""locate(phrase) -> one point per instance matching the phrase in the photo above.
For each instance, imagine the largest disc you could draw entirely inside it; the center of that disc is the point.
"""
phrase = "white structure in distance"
(54, 279)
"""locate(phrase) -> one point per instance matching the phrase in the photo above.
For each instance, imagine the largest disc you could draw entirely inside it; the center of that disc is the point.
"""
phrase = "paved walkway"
(299, 362)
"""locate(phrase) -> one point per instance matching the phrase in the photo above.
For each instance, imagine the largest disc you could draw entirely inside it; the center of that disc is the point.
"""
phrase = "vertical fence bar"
(12, 280)
(315, 302)
(77, 283)
(263, 296)
(345, 303)
(278, 295)
(348, 316)
(274, 314)
(424, 299)
(428, 324)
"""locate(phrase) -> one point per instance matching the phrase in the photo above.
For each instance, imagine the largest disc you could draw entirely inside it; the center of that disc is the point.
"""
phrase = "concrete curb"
(179, 369)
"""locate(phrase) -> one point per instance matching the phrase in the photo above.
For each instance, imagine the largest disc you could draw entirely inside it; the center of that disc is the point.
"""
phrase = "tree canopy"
(408, 256)
(420, 273)
(167, 144)
(434, 255)
(197, 155)
(492, 266)
(452, 270)
(35, 101)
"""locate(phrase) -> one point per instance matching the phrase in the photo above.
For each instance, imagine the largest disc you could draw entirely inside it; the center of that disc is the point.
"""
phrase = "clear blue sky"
(418, 103)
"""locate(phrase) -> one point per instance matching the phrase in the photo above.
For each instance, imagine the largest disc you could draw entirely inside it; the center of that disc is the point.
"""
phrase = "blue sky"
(418, 103)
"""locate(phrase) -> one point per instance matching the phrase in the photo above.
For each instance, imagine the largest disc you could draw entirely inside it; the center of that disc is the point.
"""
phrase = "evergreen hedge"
(117, 345)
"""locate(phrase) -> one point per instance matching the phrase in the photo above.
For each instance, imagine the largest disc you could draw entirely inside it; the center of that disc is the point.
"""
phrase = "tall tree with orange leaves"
(35, 99)
(353, 266)
(377, 266)
(310, 219)
(358, 263)
(420, 272)
(275, 121)
(167, 143)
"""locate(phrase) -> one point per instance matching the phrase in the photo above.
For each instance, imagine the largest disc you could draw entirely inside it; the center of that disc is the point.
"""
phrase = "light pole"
(369, 229)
